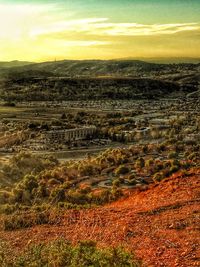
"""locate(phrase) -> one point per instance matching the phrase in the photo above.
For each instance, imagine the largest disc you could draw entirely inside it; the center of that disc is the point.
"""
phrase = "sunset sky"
(98, 29)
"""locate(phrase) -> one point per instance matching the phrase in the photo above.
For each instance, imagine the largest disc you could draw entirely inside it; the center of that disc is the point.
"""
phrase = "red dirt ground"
(160, 225)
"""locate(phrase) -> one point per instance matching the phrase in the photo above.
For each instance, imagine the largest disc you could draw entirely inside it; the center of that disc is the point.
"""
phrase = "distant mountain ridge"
(96, 68)
(156, 60)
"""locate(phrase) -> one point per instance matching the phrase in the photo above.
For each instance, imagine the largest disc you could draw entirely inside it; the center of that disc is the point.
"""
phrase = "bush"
(53, 181)
(58, 194)
(116, 182)
(87, 170)
(173, 169)
(116, 193)
(149, 163)
(7, 208)
(157, 177)
(161, 147)
(172, 155)
(25, 220)
(193, 156)
(132, 181)
(5, 197)
(140, 163)
(122, 170)
(68, 206)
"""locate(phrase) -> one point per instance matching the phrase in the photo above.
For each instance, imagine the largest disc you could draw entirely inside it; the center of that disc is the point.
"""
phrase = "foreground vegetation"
(44, 183)
(61, 253)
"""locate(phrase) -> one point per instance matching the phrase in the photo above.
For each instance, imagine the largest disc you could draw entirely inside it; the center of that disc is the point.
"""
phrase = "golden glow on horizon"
(38, 32)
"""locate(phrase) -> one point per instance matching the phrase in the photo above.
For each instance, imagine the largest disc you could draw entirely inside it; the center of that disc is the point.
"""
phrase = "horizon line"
(98, 59)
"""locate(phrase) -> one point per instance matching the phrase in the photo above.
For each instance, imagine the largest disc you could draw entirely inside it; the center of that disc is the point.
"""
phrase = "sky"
(44, 30)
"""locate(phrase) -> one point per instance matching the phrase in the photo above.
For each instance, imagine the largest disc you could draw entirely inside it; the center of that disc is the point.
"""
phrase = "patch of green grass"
(11, 109)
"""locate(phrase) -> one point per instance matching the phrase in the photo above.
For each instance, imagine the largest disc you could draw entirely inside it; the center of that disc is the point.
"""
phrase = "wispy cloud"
(78, 43)
(82, 25)
(36, 21)
(102, 27)
(135, 29)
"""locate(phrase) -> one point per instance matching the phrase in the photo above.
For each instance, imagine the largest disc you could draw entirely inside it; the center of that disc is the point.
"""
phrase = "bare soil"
(160, 225)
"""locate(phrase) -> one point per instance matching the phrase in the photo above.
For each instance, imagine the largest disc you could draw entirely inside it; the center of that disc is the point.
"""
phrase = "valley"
(111, 158)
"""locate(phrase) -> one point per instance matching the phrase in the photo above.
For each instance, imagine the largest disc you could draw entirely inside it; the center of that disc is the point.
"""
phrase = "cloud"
(134, 29)
(81, 25)
(102, 27)
(78, 43)
(34, 21)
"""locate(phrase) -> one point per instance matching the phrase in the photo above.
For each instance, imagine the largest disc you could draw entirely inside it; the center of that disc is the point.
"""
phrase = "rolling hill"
(12, 64)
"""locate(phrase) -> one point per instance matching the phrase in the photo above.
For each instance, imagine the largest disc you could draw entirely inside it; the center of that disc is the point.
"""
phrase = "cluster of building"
(66, 135)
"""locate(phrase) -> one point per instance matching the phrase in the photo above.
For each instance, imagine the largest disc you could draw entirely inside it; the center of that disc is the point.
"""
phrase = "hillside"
(13, 64)
(97, 79)
(160, 224)
(169, 60)
(93, 68)
(70, 68)
(32, 89)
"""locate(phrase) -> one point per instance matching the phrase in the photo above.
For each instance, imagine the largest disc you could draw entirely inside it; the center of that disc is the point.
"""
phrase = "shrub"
(28, 183)
(17, 194)
(140, 163)
(157, 177)
(132, 181)
(193, 156)
(103, 197)
(131, 176)
(85, 190)
(145, 149)
(66, 205)
(116, 182)
(42, 191)
(173, 169)
(24, 220)
(122, 170)
(149, 163)
(58, 194)
(161, 147)
(176, 162)
(53, 181)
(7, 209)
(158, 166)
(87, 170)
(172, 155)
(116, 193)
(4, 197)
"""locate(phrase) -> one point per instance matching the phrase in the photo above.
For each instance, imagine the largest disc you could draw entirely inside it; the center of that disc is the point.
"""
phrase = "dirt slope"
(161, 225)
